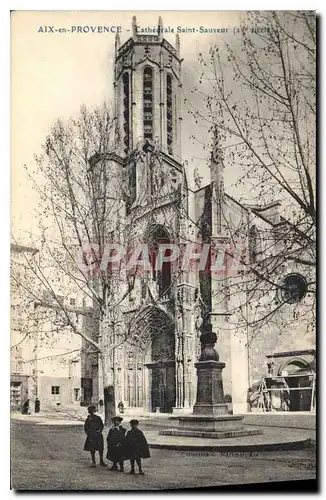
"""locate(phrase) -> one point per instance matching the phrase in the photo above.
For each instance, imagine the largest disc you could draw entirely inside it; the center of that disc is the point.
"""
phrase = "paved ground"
(289, 420)
(289, 430)
(48, 457)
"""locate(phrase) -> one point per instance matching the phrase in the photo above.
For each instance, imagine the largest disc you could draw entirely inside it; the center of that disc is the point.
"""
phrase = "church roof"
(258, 210)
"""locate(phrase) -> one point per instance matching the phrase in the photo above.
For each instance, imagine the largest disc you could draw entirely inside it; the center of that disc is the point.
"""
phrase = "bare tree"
(258, 91)
(84, 206)
(81, 210)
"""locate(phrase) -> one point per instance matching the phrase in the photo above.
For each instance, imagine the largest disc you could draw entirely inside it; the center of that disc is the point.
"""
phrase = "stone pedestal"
(207, 423)
(210, 395)
(210, 417)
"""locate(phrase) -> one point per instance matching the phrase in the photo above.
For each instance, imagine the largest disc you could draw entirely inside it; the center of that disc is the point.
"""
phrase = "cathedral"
(154, 369)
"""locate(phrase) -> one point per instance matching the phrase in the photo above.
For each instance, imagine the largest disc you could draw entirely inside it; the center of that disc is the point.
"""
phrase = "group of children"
(121, 444)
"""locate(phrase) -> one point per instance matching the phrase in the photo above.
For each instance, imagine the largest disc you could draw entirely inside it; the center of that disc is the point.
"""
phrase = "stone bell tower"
(148, 97)
(147, 81)
(148, 91)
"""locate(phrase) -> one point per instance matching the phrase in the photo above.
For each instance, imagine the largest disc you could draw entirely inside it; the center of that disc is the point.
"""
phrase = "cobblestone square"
(48, 457)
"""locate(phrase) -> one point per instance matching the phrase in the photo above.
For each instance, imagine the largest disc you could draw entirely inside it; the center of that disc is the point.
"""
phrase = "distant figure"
(37, 405)
(116, 444)
(270, 367)
(25, 409)
(101, 404)
(94, 442)
(121, 407)
(136, 447)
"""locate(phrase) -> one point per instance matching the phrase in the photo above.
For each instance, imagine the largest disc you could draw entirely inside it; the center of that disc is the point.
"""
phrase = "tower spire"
(216, 156)
(134, 26)
(160, 28)
(217, 180)
(117, 43)
(177, 44)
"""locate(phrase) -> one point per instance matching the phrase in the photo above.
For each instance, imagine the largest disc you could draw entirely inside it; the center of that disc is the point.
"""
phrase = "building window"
(72, 302)
(55, 390)
(293, 288)
(126, 112)
(169, 113)
(148, 103)
(76, 394)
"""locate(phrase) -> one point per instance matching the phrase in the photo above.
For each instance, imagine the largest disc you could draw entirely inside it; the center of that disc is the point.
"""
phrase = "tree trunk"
(109, 403)
(108, 390)
(108, 336)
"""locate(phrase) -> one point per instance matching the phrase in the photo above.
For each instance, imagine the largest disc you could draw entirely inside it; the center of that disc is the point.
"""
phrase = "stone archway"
(155, 330)
(297, 372)
(293, 365)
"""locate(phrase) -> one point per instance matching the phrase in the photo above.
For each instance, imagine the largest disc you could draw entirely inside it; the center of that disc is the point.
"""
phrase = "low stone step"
(212, 435)
(207, 423)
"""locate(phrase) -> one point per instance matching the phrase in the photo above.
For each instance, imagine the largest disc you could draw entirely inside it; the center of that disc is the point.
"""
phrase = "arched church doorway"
(155, 330)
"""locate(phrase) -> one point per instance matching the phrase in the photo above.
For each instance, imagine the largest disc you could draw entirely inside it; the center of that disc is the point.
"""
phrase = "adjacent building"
(46, 357)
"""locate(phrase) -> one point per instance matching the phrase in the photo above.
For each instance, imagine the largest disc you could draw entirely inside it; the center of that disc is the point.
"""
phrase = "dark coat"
(93, 427)
(25, 409)
(136, 444)
(116, 444)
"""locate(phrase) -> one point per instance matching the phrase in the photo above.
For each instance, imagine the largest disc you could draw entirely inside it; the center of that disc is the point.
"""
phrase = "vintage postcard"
(163, 250)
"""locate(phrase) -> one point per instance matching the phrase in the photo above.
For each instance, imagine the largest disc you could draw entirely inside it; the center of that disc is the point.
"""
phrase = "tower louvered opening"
(148, 103)
(169, 113)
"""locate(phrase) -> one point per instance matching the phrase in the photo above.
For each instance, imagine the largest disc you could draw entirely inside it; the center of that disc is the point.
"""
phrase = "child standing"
(94, 442)
(115, 442)
(136, 447)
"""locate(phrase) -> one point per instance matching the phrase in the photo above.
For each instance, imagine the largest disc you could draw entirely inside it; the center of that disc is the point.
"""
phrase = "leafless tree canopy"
(260, 93)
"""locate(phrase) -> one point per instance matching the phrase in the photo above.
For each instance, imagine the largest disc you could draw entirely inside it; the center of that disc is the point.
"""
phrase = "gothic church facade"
(155, 371)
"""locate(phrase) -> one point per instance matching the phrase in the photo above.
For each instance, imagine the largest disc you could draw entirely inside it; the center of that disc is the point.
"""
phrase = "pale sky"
(54, 73)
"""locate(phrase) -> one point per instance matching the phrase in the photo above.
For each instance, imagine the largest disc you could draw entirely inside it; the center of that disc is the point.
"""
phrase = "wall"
(280, 337)
(22, 394)
(65, 398)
